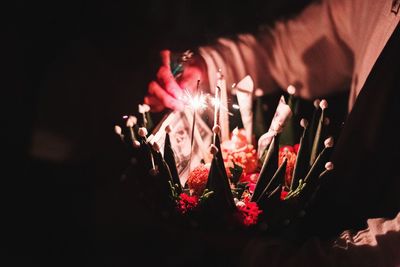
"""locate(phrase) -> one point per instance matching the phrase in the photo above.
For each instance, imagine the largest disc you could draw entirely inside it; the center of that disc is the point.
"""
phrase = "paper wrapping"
(244, 94)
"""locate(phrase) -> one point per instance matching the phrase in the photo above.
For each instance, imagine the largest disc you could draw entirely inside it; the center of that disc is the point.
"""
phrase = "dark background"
(76, 68)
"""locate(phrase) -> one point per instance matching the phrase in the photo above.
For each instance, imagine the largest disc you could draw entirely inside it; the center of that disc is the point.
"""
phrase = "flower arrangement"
(263, 184)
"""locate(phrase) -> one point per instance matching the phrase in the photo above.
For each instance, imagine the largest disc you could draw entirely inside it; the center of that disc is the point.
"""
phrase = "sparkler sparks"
(196, 102)
(216, 102)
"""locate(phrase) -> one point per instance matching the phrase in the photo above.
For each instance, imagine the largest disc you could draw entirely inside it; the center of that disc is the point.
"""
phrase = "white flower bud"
(142, 131)
(259, 92)
(117, 130)
(291, 90)
(132, 120)
(323, 104)
(144, 108)
(328, 142)
(136, 143)
(316, 103)
(304, 123)
(329, 166)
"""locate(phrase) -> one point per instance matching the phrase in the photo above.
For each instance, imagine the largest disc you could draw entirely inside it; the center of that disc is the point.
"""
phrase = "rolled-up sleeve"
(311, 51)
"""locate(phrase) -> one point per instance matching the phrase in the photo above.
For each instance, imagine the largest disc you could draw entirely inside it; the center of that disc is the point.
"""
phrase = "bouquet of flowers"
(223, 177)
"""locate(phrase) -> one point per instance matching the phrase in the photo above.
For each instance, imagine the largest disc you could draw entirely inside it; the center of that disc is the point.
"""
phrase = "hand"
(166, 91)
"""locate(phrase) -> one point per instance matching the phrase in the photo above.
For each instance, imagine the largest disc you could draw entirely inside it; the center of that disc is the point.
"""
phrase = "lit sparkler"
(216, 102)
(196, 102)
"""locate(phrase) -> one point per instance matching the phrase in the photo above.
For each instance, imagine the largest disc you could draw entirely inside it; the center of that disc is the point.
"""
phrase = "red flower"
(288, 152)
(187, 203)
(252, 187)
(284, 193)
(286, 149)
(240, 152)
(251, 179)
(249, 211)
(197, 180)
(296, 148)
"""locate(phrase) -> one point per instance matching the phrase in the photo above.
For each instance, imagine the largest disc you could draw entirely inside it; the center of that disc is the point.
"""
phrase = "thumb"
(165, 58)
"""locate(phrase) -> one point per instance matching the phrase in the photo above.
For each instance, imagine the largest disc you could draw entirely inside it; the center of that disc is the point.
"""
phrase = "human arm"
(311, 51)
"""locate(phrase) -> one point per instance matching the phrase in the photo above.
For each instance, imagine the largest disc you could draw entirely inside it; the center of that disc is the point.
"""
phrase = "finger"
(166, 58)
(167, 80)
(166, 99)
(154, 103)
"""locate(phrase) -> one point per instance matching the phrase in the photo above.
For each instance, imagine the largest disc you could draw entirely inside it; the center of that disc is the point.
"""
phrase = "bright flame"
(199, 102)
(195, 102)
(216, 102)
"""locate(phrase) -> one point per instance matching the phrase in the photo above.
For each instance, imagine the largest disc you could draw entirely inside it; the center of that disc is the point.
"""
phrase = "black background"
(76, 68)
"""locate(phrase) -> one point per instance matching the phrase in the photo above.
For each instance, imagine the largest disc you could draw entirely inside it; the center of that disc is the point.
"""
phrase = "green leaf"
(174, 193)
(169, 158)
(318, 141)
(268, 169)
(206, 194)
(297, 191)
(276, 181)
(302, 160)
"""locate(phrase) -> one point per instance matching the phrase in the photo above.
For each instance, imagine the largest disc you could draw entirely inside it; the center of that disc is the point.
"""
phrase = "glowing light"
(216, 102)
(235, 106)
(199, 102)
(195, 102)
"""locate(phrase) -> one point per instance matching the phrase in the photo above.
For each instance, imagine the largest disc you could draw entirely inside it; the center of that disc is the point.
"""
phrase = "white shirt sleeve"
(311, 51)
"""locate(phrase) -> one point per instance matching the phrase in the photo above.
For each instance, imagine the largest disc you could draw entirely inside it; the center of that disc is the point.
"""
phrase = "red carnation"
(197, 180)
(187, 203)
(284, 193)
(249, 211)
